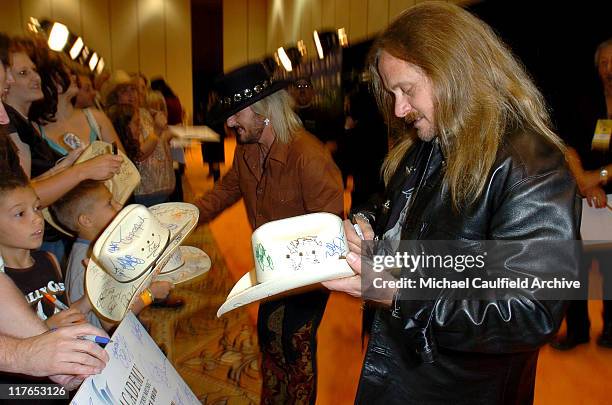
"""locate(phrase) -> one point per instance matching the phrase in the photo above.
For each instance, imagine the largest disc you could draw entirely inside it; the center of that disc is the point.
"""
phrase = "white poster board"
(137, 373)
(596, 226)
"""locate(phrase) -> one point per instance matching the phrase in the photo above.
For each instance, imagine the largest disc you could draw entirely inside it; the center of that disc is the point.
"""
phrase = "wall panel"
(359, 20)
(40, 9)
(328, 14)
(11, 19)
(178, 66)
(68, 12)
(304, 19)
(342, 16)
(378, 15)
(124, 34)
(96, 28)
(151, 37)
(397, 6)
(257, 32)
(235, 33)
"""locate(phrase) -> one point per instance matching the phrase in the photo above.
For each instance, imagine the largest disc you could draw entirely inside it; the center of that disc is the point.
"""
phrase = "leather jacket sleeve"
(540, 206)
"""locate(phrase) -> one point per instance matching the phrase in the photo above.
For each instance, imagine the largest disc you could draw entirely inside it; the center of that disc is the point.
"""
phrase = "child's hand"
(161, 289)
(68, 317)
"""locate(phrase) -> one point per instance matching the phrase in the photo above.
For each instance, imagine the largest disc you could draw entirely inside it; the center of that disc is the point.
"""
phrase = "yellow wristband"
(147, 297)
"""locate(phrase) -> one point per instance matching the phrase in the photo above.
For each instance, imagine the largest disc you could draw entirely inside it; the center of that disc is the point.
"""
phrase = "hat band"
(150, 266)
(246, 93)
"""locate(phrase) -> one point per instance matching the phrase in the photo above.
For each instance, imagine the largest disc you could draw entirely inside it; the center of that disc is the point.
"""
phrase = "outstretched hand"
(61, 354)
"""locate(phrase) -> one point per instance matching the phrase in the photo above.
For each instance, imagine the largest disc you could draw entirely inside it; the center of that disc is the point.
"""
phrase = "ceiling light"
(342, 37)
(282, 55)
(76, 48)
(93, 61)
(100, 67)
(315, 34)
(58, 37)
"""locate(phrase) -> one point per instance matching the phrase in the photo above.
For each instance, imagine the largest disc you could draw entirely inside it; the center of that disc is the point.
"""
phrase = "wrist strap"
(147, 297)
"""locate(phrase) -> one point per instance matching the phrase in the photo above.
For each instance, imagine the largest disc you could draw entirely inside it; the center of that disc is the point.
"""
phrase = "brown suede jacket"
(298, 178)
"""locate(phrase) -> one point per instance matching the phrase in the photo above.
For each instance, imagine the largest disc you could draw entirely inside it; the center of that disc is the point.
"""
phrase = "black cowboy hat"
(243, 87)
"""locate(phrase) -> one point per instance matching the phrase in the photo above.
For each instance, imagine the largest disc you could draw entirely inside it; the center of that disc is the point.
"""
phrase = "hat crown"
(295, 244)
(246, 78)
(241, 88)
(133, 245)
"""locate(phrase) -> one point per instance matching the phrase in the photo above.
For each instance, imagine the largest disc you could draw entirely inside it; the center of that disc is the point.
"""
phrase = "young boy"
(21, 233)
(87, 210)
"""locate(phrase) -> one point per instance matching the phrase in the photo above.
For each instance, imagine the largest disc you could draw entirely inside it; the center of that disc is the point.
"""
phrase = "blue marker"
(101, 340)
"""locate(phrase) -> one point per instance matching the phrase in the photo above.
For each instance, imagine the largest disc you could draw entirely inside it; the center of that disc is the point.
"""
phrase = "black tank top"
(42, 277)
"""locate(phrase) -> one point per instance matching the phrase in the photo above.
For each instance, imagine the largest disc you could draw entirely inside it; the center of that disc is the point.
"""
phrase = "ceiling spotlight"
(315, 34)
(58, 37)
(76, 48)
(301, 47)
(34, 25)
(284, 59)
(93, 61)
(100, 67)
(342, 37)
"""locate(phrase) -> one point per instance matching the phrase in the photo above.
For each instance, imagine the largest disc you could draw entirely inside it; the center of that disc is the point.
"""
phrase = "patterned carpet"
(218, 358)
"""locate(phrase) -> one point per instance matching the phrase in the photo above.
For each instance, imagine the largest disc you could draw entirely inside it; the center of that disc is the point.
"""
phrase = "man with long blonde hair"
(475, 161)
(281, 171)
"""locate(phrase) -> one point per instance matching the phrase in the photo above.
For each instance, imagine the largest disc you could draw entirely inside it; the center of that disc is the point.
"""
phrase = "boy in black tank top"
(38, 273)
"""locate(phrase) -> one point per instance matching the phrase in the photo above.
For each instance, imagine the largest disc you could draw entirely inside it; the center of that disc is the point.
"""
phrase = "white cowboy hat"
(186, 263)
(292, 253)
(131, 251)
(121, 185)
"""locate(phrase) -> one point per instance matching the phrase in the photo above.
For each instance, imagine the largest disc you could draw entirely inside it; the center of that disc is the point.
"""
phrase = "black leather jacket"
(481, 351)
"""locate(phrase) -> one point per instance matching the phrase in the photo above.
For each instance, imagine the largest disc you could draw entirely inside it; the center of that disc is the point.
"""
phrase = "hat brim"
(226, 112)
(121, 185)
(196, 263)
(247, 290)
(110, 298)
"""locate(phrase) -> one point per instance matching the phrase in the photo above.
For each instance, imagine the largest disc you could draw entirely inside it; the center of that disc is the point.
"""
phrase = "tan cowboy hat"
(186, 263)
(131, 251)
(292, 253)
(116, 80)
(121, 185)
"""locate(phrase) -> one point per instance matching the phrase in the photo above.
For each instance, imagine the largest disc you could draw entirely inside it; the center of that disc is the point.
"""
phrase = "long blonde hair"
(480, 92)
(278, 108)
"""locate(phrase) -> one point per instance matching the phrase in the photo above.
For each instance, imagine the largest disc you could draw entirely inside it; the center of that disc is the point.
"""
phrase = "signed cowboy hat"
(186, 263)
(292, 253)
(121, 185)
(131, 251)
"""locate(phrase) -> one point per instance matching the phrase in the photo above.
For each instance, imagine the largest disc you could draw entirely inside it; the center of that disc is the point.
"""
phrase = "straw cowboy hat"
(132, 250)
(186, 263)
(121, 185)
(292, 253)
(118, 79)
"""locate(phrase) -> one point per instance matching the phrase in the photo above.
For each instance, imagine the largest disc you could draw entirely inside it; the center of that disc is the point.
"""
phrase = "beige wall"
(287, 21)
(150, 36)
